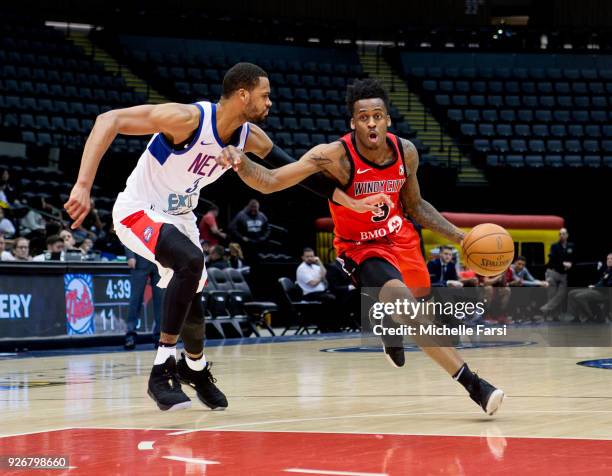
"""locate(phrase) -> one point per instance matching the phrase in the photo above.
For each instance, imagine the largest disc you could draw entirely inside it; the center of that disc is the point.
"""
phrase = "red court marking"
(99, 451)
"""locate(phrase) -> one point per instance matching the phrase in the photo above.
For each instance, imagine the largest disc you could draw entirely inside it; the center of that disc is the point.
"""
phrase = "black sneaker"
(130, 341)
(486, 395)
(203, 383)
(165, 388)
(395, 355)
(393, 346)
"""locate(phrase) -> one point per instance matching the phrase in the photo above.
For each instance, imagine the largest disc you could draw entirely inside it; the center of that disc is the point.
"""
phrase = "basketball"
(488, 249)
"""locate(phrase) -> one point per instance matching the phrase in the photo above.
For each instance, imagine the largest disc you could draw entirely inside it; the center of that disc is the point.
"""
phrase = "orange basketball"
(488, 249)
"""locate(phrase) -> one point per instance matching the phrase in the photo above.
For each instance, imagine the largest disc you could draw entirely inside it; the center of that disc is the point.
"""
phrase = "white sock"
(197, 364)
(163, 353)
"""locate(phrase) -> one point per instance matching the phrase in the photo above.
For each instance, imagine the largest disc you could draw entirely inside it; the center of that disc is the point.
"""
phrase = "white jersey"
(168, 180)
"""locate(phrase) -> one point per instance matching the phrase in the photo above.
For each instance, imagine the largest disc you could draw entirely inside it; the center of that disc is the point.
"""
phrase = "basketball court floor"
(322, 405)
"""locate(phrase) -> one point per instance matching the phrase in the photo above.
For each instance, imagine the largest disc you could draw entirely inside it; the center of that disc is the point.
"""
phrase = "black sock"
(465, 377)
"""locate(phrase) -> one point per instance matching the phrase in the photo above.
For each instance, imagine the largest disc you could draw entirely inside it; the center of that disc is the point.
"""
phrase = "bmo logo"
(393, 226)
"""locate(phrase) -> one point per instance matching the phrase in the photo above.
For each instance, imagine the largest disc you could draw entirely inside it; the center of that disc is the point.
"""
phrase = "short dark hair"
(219, 250)
(242, 76)
(307, 249)
(365, 89)
(54, 239)
(521, 258)
(446, 247)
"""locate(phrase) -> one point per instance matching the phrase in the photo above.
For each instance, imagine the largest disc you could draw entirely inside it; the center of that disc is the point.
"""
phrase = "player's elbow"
(107, 121)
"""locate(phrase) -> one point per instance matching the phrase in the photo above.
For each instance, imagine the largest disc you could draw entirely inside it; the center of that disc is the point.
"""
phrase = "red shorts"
(402, 250)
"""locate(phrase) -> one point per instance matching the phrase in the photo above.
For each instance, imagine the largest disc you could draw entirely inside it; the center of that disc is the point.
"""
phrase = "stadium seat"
(542, 115)
(555, 146)
(518, 146)
(537, 146)
(575, 130)
(534, 161)
(468, 129)
(504, 130)
(573, 146)
(455, 115)
(591, 146)
(500, 145)
(507, 115)
(482, 145)
(522, 130)
(593, 161)
(495, 101)
(489, 115)
(486, 130)
(540, 130)
(553, 161)
(573, 161)
(471, 115)
(558, 130)
(561, 116)
(514, 160)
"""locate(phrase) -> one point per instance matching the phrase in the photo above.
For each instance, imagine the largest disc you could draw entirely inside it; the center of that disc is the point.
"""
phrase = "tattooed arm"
(272, 180)
(324, 158)
(420, 210)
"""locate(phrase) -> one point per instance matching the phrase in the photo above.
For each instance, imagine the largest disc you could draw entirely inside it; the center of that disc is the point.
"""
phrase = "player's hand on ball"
(230, 157)
(78, 205)
(372, 203)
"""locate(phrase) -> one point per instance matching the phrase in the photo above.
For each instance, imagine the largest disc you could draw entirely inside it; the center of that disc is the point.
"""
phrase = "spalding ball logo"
(499, 243)
(147, 234)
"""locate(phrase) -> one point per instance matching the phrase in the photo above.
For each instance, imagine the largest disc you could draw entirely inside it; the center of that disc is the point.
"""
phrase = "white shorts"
(137, 226)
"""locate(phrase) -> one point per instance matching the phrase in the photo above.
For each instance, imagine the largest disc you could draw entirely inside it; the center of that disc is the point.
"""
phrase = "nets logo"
(78, 290)
(147, 234)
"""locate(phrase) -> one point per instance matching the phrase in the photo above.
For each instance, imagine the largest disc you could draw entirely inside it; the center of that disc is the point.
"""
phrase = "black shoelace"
(209, 375)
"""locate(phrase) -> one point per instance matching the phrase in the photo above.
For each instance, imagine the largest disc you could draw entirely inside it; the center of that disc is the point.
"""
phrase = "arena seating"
(523, 116)
(51, 91)
(308, 94)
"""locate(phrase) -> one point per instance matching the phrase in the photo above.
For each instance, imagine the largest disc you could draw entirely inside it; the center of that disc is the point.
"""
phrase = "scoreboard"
(65, 299)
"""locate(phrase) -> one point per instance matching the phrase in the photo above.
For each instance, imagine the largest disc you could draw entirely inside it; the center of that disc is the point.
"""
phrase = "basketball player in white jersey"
(154, 216)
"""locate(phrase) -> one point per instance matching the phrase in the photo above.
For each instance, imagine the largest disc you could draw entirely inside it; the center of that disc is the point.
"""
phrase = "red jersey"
(386, 235)
(368, 178)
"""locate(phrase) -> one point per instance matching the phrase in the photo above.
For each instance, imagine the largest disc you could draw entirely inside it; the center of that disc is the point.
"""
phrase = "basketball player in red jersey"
(378, 249)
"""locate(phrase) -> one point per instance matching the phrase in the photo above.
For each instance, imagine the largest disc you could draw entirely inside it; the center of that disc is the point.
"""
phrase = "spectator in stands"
(468, 277)
(236, 258)
(4, 255)
(109, 244)
(581, 302)
(7, 192)
(86, 246)
(443, 271)
(92, 225)
(520, 275)
(209, 231)
(216, 258)
(21, 249)
(55, 250)
(310, 276)
(70, 243)
(142, 270)
(33, 220)
(250, 228)
(560, 260)
(496, 295)
(6, 226)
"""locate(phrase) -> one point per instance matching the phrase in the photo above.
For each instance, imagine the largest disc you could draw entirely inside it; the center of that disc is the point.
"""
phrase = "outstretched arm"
(265, 180)
(419, 209)
(260, 145)
(176, 121)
